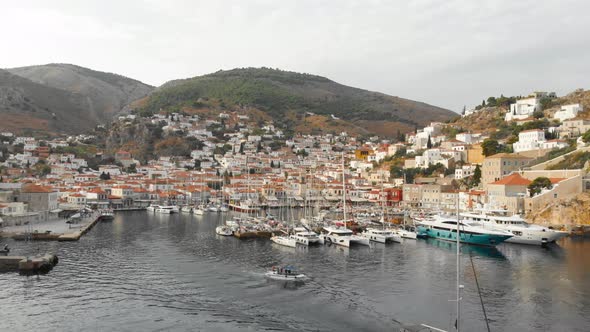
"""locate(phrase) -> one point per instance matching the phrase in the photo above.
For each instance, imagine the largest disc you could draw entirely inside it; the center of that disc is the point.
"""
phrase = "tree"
(105, 176)
(539, 184)
(490, 147)
(241, 148)
(272, 164)
(476, 178)
(586, 137)
(132, 168)
(429, 143)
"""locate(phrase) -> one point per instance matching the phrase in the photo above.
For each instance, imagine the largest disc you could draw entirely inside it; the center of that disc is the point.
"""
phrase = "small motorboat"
(224, 230)
(287, 273)
(5, 251)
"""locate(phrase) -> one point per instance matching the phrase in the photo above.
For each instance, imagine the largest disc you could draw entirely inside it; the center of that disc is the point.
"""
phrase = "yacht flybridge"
(522, 232)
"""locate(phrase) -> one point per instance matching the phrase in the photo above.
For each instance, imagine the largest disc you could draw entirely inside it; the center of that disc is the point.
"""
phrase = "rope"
(483, 308)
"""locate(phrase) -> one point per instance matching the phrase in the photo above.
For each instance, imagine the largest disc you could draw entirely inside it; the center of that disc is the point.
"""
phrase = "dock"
(28, 265)
(57, 233)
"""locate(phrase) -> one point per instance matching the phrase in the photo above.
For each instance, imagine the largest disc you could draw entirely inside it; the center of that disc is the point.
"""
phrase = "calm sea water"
(145, 272)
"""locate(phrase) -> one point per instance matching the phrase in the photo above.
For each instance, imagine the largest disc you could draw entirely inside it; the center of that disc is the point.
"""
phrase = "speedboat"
(470, 233)
(213, 208)
(381, 235)
(343, 237)
(286, 241)
(287, 273)
(223, 208)
(522, 232)
(198, 211)
(305, 237)
(224, 230)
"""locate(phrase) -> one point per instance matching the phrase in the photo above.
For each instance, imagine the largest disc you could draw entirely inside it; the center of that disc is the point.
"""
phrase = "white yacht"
(224, 230)
(213, 208)
(186, 209)
(305, 237)
(198, 210)
(152, 208)
(406, 234)
(168, 209)
(343, 237)
(284, 241)
(445, 228)
(522, 232)
(381, 235)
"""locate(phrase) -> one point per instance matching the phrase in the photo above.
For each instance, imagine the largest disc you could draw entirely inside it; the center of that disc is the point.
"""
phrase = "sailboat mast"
(343, 191)
(458, 270)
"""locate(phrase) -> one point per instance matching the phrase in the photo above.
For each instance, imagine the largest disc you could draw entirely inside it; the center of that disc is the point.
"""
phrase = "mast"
(343, 191)
(457, 324)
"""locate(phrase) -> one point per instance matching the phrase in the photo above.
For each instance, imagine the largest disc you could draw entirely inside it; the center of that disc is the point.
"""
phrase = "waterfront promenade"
(56, 230)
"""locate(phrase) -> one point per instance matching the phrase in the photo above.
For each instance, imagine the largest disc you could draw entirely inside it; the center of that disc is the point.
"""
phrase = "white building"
(464, 171)
(524, 108)
(529, 140)
(568, 112)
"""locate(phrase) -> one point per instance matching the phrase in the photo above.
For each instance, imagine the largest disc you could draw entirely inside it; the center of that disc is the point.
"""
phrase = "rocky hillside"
(567, 213)
(277, 92)
(62, 98)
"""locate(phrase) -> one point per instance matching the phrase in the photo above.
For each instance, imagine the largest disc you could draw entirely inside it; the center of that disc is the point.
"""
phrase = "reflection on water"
(157, 272)
(483, 251)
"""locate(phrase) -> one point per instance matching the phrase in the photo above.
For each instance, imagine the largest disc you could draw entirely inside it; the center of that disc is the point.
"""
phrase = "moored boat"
(470, 233)
(522, 232)
(224, 230)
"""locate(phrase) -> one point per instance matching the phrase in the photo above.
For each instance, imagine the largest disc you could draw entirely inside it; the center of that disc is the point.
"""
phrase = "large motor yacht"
(522, 232)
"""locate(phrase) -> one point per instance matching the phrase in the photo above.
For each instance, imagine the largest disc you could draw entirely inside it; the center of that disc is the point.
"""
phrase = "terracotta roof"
(33, 188)
(513, 179)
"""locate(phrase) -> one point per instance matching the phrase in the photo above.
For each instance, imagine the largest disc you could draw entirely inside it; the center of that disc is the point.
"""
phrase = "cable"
(485, 316)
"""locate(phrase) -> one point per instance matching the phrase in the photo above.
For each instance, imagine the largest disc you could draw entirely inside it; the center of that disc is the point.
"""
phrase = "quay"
(28, 265)
(55, 230)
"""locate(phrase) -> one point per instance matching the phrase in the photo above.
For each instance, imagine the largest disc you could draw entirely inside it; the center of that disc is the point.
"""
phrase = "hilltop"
(63, 98)
(295, 100)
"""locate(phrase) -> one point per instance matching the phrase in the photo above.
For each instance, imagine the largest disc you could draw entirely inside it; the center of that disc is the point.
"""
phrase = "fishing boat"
(287, 273)
(522, 232)
(471, 233)
(224, 230)
(245, 207)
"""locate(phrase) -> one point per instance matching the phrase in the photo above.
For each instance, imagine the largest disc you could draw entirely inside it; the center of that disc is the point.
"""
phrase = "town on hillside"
(533, 159)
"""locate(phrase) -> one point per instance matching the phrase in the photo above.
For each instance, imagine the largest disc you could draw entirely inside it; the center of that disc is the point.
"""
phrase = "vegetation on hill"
(62, 98)
(573, 161)
(276, 92)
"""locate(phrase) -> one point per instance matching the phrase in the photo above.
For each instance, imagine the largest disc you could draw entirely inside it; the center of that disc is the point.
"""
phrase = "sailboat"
(381, 235)
(343, 236)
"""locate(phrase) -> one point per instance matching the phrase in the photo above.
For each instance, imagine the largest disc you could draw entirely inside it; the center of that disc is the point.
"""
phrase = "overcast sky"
(446, 53)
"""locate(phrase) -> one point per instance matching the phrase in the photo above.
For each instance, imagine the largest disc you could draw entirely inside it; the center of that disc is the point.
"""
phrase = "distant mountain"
(289, 97)
(63, 97)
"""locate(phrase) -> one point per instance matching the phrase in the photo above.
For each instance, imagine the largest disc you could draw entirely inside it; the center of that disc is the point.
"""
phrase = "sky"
(446, 53)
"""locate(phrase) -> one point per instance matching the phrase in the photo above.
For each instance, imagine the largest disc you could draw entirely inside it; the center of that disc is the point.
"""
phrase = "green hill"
(279, 93)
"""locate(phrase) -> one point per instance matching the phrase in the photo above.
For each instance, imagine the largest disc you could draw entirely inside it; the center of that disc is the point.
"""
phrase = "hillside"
(277, 92)
(62, 98)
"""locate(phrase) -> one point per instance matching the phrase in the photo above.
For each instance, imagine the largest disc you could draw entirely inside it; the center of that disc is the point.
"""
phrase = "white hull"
(534, 237)
(285, 277)
(224, 231)
(407, 234)
(346, 241)
(381, 238)
(198, 212)
(284, 241)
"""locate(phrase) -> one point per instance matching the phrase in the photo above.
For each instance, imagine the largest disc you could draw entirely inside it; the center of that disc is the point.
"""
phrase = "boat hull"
(468, 238)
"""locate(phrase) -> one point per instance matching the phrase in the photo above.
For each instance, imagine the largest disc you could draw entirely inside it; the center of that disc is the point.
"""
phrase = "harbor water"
(145, 272)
